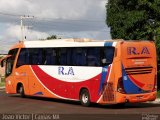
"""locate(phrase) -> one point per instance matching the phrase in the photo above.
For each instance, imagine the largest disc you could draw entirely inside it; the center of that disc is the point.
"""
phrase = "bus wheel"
(85, 97)
(21, 91)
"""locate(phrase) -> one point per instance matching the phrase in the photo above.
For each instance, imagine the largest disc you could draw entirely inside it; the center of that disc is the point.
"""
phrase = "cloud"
(60, 15)
(64, 9)
(69, 18)
(13, 34)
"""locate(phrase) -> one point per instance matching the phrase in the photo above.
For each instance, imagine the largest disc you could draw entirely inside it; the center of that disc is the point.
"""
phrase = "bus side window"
(79, 57)
(93, 56)
(36, 56)
(69, 56)
(23, 58)
(63, 56)
(50, 56)
(108, 55)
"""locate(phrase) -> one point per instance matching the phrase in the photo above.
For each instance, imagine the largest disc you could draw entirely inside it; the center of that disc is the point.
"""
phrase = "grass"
(158, 94)
(2, 84)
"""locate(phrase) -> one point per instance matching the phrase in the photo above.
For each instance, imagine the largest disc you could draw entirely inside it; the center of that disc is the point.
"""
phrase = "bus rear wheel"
(85, 98)
(21, 91)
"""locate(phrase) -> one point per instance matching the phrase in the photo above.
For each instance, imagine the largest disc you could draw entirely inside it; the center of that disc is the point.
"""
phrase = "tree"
(52, 37)
(134, 19)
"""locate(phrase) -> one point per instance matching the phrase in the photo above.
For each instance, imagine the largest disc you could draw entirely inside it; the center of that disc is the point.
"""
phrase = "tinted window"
(35, 56)
(23, 57)
(13, 52)
(10, 61)
(108, 56)
(30, 57)
(79, 57)
(91, 56)
(49, 56)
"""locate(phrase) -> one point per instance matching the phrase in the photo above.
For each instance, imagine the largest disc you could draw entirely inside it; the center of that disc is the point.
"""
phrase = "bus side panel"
(66, 86)
(36, 88)
(19, 75)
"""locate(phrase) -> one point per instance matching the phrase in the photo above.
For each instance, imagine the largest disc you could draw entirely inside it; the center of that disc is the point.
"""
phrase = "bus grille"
(138, 70)
(108, 92)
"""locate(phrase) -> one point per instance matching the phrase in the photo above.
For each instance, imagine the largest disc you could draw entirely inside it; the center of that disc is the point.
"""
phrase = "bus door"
(34, 59)
(21, 71)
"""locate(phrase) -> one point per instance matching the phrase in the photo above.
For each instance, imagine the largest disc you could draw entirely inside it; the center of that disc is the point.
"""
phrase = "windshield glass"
(10, 61)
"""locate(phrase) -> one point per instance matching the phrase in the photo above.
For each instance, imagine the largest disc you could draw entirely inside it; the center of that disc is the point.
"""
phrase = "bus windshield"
(10, 61)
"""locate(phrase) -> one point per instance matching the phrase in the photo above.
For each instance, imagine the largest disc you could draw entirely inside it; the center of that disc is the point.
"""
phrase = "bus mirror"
(2, 63)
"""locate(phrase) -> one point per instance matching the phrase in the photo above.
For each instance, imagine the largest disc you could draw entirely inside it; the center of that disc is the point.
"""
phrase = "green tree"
(52, 37)
(133, 19)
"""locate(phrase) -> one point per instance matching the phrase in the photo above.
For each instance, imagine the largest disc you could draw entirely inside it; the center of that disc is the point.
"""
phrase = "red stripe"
(67, 89)
(139, 84)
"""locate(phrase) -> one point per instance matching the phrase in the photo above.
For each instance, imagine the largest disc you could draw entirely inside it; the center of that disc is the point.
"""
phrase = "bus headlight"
(8, 82)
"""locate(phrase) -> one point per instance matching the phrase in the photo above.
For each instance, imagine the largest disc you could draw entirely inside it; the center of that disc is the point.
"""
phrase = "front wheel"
(85, 97)
(21, 91)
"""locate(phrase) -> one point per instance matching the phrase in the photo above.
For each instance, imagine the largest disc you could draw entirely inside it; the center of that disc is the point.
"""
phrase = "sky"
(64, 18)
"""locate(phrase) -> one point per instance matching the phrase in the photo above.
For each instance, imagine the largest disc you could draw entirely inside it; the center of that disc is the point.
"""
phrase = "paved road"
(31, 105)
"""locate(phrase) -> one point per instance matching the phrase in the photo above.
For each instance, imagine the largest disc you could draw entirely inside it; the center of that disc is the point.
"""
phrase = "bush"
(158, 94)
(2, 79)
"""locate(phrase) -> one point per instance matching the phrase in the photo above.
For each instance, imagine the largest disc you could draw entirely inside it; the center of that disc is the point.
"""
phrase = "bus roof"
(64, 43)
(82, 42)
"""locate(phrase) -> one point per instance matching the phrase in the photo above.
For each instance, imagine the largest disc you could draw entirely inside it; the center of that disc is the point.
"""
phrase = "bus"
(85, 70)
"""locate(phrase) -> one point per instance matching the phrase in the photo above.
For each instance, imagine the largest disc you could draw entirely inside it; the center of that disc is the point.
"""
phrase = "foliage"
(1, 57)
(158, 94)
(2, 84)
(133, 19)
(52, 37)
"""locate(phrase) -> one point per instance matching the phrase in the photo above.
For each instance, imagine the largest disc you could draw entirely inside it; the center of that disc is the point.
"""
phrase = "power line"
(9, 14)
(54, 22)
(51, 19)
(76, 20)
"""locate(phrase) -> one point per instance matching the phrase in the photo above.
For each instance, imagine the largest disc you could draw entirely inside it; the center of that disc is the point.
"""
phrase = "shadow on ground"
(93, 105)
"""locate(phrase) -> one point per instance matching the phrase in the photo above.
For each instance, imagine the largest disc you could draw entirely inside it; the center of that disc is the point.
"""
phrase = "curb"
(157, 101)
(1, 88)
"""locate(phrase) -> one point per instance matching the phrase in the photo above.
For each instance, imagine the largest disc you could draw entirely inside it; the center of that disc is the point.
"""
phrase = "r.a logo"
(145, 50)
(131, 50)
(134, 51)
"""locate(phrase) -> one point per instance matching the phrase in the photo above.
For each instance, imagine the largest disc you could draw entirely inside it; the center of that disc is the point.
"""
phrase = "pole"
(21, 28)
(24, 17)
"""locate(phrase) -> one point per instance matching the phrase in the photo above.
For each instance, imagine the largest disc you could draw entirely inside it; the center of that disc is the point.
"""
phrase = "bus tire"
(85, 97)
(21, 91)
